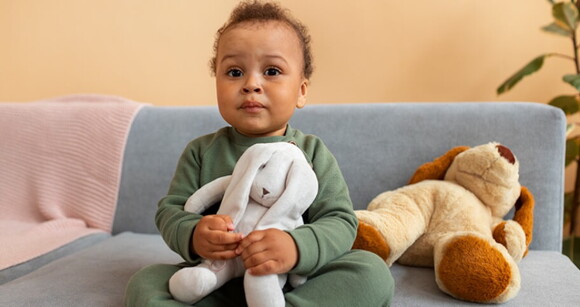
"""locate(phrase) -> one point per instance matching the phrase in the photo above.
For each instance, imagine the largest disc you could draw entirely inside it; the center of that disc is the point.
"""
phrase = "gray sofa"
(378, 147)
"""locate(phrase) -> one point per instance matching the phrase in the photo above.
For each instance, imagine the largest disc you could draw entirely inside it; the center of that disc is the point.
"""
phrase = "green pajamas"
(337, 276)
(358, 278)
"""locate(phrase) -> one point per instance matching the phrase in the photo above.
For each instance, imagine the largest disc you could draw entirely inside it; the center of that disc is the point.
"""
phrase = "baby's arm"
(176, 225)
(213, 238)
(330, 224)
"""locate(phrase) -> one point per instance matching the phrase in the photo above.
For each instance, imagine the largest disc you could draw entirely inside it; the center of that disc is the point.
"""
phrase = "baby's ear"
(303, 92)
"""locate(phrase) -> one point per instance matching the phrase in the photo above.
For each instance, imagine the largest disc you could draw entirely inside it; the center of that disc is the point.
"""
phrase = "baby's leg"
(149, 287)
(191, 284)
(357, 278)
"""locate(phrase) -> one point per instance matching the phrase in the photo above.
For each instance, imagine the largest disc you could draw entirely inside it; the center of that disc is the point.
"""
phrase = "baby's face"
(259, 78)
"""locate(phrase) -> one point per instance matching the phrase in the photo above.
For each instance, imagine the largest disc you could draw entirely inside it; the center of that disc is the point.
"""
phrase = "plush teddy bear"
(450, 217)
(271, 186)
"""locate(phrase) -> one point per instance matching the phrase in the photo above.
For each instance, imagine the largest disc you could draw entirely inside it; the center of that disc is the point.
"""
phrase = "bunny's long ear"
(237, 194)
(300, 192)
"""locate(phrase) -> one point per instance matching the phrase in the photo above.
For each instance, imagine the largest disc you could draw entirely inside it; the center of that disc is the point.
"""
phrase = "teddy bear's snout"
(506, 153)
(265, 192)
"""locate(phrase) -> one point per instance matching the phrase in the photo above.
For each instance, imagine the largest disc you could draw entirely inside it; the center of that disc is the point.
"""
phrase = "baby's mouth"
(252, 106)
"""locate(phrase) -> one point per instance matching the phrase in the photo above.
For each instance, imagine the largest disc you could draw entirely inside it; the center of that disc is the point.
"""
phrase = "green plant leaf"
(554, 28)
(568, 103)
(572, 151)
(570, 128)
(529, 69)
(565, 15)
(573, 80)
(568, 204)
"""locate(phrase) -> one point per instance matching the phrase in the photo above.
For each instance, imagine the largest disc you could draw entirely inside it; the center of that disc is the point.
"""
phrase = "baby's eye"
(272, 71)
(235, 73)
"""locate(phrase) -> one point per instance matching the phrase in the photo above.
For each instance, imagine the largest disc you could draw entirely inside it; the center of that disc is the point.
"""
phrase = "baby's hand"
(270, 251)
(213, 238)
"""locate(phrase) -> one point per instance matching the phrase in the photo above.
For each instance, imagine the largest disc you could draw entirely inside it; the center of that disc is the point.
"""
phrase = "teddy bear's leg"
(370, 239)
(265, 290)
(474, 268)
(191, 284)
(511, 235)
(400, 217)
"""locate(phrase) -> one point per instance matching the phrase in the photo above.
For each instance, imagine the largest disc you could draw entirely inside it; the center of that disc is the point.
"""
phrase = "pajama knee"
(357, 278)
(148, 287)
(376, 281)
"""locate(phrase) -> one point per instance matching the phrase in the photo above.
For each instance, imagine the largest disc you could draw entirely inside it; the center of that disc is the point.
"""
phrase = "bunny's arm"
(207, 195)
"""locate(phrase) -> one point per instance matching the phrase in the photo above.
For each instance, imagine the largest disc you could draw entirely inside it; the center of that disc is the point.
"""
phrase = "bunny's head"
(275, 175)
(270, 180)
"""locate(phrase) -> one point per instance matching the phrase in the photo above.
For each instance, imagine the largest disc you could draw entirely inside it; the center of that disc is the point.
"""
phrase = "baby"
(262, 64)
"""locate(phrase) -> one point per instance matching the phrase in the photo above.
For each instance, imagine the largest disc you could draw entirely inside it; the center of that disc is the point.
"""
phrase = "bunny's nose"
(265, 192)
(506, 153)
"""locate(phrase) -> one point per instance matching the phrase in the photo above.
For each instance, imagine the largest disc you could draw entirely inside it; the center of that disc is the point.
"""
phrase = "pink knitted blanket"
(60, 167)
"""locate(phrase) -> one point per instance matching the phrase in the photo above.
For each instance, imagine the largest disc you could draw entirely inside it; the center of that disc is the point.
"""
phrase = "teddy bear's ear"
(436, 169)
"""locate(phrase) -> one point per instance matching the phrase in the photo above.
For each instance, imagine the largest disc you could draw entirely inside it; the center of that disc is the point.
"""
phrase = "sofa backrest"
(378, 147)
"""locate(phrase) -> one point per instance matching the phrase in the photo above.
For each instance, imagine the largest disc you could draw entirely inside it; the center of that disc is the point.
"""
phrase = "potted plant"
(565, 24)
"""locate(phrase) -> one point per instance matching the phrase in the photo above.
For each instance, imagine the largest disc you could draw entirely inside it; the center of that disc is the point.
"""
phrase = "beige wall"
(365, 51)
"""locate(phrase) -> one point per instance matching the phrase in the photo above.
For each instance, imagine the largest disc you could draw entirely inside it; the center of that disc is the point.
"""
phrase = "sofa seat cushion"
(21, 269)
(548, 278)
(95, 276)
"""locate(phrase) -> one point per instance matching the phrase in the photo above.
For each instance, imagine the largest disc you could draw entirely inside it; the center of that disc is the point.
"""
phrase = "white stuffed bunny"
(271, 186)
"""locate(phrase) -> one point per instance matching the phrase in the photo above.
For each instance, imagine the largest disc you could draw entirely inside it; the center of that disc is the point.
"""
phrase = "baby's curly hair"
(257, 11)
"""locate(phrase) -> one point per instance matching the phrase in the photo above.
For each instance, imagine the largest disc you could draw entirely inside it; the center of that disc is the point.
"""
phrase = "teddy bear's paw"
(189, 285)
(473, 268)
(369, 238)
(511, 235)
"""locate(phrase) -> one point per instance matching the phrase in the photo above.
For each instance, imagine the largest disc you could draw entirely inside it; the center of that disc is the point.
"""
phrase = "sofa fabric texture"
(378, 147)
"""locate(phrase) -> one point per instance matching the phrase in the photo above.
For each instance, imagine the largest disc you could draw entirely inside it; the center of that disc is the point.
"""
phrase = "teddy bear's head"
(491, 172)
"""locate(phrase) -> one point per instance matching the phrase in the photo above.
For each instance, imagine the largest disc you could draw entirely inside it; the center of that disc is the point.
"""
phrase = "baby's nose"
(251, 89)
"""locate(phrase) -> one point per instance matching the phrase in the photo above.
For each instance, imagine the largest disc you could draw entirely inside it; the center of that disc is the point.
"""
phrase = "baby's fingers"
(224, 238)
(265, 268)
(223, 255)
(220, 222)
(249, 240)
